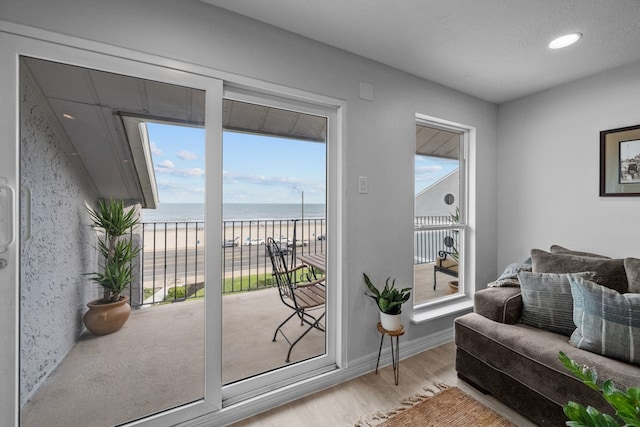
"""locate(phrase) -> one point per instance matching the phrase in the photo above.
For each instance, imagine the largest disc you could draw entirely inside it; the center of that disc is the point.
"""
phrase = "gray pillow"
(607, 323)
(509, 276)
(557, 249)
(632, 268)
(610, 272)
(547, 302)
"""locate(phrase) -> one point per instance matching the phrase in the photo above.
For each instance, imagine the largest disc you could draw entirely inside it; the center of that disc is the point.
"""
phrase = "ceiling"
(437, 142)
(108, 111)
(493, 49)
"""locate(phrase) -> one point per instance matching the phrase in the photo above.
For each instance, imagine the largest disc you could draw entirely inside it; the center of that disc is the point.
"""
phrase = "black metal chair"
(447, 261)
(300, 297)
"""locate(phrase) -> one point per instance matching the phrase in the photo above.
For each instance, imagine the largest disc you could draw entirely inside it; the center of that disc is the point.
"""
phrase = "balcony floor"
(161, 349)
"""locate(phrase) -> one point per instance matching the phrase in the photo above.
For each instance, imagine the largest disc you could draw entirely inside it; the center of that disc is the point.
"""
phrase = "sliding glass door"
(80, 127)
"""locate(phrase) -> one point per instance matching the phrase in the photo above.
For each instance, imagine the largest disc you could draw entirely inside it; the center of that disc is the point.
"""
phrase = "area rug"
(447, 406)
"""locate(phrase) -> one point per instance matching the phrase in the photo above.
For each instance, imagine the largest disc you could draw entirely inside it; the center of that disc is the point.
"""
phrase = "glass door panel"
(84, 137)
(274, 210)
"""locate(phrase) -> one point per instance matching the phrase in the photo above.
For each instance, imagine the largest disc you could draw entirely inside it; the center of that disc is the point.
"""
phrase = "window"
(440, 215)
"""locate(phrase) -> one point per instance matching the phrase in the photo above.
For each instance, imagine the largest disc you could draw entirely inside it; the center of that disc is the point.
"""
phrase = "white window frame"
(463, 300)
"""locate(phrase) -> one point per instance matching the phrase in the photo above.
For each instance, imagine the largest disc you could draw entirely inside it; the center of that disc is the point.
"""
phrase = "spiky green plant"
(626, 404)
(390, 300)
(116, 247)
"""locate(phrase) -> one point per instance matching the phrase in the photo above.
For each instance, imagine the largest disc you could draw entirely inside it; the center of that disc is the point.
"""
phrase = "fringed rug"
(444, 406)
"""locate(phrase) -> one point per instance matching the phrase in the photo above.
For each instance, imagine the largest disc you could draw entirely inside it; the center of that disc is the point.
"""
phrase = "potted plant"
(389, 302)
(108, 314)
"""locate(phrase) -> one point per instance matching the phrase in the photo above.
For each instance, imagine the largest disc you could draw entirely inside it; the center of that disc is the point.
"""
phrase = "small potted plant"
(108, 314)
(389, 302)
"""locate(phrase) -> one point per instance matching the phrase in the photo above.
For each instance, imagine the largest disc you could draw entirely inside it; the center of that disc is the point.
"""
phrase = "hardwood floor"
(345, 404)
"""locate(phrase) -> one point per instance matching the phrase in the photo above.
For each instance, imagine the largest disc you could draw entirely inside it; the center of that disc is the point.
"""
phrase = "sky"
(429, 170)
(256, 169)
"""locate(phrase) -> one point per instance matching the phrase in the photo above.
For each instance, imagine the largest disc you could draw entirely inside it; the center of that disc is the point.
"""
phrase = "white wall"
(548, 163)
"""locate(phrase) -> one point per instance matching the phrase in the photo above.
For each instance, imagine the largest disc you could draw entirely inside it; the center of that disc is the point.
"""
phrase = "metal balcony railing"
(173, 255)
(172, 260)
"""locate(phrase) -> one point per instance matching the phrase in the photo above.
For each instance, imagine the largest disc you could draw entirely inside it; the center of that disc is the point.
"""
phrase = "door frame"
(18, 40)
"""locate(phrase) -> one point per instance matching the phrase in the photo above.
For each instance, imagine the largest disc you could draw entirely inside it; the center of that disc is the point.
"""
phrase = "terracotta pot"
(390, 322)
(103, 319)
(453, 287)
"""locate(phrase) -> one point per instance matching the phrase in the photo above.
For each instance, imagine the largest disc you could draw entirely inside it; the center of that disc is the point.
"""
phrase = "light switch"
(366, 91)
(363, 185)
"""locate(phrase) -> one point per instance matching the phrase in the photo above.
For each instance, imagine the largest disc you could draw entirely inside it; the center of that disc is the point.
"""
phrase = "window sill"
(448, 308)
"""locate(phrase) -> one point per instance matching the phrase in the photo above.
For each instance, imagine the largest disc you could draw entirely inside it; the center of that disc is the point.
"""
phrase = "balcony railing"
(428, 242)
(172, 261)
(173, 255)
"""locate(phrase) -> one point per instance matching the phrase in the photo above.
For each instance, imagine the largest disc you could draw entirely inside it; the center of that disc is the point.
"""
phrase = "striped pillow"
(608, 323)
(547, 302)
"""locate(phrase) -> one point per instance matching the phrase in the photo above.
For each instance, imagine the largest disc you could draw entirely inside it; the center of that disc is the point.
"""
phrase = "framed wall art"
(620, 162)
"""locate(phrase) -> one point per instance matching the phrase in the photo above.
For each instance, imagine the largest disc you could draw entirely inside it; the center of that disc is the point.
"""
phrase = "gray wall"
(380, 140)
(380, 135)
(53, 261)
(549, 169)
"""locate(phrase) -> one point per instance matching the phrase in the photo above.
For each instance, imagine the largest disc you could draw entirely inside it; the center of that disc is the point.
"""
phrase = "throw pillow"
(509, 276)
(607, 323)
(632, 268)
(547, 302)
(610, 272)
(557, 249)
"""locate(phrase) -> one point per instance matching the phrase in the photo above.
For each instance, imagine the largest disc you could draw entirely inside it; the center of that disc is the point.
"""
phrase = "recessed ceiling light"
(68, 116)
(564, 41)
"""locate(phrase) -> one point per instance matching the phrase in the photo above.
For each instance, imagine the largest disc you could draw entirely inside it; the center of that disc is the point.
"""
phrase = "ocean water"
(233, 211)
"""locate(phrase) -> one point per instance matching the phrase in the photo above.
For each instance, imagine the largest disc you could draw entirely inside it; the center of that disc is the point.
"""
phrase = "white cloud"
(194, 172)
(231, 177)
(155, 150)
(168, 168)
(167, 164)
(187, 155)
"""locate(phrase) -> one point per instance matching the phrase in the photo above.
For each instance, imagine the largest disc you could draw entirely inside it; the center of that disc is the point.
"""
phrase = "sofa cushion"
(607, 323)
(632, 268)
(547, 302)
(611, 272)
(557, 249)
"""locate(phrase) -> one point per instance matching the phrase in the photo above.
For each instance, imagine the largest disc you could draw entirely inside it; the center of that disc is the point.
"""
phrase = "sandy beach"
(192, 234)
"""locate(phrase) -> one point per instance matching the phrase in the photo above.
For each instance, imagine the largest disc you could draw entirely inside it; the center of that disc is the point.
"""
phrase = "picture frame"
(620, 162)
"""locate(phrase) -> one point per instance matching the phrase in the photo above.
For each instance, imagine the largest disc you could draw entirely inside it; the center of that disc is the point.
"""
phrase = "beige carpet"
(446, 406)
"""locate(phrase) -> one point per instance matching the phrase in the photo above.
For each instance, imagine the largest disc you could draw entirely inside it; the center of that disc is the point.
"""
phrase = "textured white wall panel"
(54, 260)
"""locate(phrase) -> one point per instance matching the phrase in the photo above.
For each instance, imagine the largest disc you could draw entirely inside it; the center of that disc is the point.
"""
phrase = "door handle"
(26, 196)
(7, 203)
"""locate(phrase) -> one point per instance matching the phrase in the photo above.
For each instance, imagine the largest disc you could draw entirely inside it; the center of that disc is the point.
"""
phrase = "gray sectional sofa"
(509, 346)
